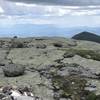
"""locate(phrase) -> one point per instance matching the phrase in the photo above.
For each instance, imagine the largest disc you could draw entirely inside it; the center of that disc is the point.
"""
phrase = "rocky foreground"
(49, 69)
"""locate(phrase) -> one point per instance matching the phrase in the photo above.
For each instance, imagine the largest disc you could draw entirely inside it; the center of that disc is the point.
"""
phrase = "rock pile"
(75, 69)
(17, 93)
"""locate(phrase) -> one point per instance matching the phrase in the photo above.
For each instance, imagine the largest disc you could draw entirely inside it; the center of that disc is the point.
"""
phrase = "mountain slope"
(87, 36)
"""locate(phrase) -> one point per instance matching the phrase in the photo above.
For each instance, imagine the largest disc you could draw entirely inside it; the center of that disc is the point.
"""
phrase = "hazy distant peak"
(87, 36)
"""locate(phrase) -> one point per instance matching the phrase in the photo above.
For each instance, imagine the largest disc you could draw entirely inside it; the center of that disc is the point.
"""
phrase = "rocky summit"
(44, 68)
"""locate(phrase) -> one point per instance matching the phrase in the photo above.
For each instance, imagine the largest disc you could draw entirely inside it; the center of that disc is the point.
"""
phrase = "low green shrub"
(91, 96)
(89, 54)
(17, 44)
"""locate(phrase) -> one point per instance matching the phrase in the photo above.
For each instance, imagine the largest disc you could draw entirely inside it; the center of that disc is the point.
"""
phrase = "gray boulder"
(58, 44)
(12, 70)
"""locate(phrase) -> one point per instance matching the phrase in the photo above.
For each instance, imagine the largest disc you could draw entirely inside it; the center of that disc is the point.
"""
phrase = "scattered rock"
(40, 39)
(26, 89)
(16, 94)
(58, 44)
(17, 44)
(64, 88)
(75, 69)
(72, 43)
(24, 98)
(68, 55)
(7, 98)
(12, 70)
(2, 95)
(40, 46)
(45, 85)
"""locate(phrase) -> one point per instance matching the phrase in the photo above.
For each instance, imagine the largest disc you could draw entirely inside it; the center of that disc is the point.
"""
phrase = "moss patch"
(89, 54)
(70, 86)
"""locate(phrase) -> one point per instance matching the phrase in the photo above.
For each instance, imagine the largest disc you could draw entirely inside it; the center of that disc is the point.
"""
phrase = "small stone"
(24, 98)
(58, 44)
(40, 46)
(2, 95)
(68, 55)
(7, 98)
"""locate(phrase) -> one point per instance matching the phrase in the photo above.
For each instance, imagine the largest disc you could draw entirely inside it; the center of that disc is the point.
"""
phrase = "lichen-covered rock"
(24, 98)
(12, 70)
(7, 98)
(72, 43)
(2, 95)
(17, 44)
(58, 44)
(76, 69)
(40, 46)
(68, 55)
(13, 93)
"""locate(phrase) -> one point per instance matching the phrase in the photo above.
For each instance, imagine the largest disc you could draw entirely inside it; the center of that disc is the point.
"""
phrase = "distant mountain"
(49, 30)
(87, 36)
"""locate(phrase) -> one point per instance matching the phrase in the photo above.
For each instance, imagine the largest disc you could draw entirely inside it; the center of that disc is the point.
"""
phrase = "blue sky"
(48, 17)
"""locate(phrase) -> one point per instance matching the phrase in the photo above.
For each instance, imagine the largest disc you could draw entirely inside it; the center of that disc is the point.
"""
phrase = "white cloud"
(93, 6)
(56, 11)
(62, 16)
(61, 2)
(16, 8)
(48, 10)
(1, 10)
(86, 12)
(25, 5)
(13, 20)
